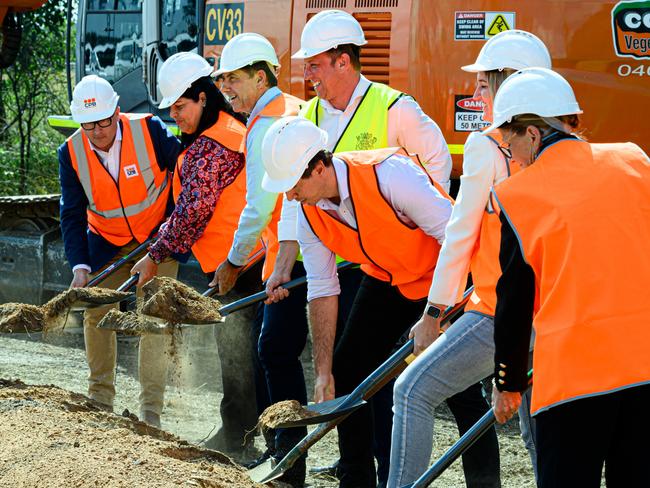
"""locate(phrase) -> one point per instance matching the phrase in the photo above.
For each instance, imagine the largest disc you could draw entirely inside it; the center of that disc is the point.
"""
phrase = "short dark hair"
(251, 69)
(352, 50)
(323, 155)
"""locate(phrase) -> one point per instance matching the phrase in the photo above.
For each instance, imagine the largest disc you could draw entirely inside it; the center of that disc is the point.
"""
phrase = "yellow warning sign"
(499, 24)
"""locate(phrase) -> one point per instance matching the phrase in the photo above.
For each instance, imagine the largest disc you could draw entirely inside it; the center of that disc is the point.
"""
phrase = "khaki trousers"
(101, 347)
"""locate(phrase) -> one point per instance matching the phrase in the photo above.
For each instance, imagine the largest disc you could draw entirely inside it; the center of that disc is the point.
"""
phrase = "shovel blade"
(325, 411)
(267, 471)
(82, 304)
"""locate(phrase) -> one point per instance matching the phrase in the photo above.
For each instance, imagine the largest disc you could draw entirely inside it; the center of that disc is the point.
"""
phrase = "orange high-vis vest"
(582, 216)
(386, 248)
(281, 106)
(484, 264)
(132, 207)
(211, 249)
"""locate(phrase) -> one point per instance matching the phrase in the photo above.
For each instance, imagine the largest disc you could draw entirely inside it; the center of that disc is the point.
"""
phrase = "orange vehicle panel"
(412, 47)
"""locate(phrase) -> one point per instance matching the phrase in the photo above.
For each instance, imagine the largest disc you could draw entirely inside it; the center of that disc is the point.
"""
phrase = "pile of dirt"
(53, 438)
(281, 412)
(171, 300)
(61, 303)
(20, 317)
(130, 323)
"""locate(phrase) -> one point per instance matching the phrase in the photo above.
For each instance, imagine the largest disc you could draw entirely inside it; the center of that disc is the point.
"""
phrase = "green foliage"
(30, 90)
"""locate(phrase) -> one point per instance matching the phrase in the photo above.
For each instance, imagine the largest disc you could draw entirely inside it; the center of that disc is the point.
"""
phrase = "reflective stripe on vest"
(581, 213)
(145, 167)
(484, 264)
(281, 106)
(368, 126)
(212, 247)
(134, 205)
(387, 249)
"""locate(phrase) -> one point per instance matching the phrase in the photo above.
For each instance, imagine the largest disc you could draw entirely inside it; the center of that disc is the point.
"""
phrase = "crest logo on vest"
(365, 141)
(131, 171)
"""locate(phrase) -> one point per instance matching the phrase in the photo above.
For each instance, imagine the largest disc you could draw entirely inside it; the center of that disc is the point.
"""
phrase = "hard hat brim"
(475, 68)
(279, 186)
(223, 71)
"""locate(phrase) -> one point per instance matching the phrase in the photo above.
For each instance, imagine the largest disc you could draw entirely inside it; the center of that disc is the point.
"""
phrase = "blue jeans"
(461, 357)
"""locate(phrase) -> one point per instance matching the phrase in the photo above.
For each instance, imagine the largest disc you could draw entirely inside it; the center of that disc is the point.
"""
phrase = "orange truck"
(11, 31)
(416, 46)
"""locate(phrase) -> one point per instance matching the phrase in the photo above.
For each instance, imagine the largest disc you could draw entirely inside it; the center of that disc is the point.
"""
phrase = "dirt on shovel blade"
(55, 438)
(281, 412)
(94, 296)
(177, 303)
(130, 323)
(21, 317)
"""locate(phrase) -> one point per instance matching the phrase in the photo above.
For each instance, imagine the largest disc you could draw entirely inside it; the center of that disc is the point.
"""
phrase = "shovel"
(330, 414)
(164, 326)
(93, 302)
(112, 296)
(459, 448)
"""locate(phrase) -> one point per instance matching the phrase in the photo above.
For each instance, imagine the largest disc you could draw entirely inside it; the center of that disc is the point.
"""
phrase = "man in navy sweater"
(115, 175)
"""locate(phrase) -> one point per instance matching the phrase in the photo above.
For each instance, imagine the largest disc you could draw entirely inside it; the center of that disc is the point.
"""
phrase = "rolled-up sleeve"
(319, 261)
(259, 203)
(415, 131)
(450, 275)
(287, 227)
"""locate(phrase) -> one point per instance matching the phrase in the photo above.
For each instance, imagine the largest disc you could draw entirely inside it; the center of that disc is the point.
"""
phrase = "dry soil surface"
(41, 441)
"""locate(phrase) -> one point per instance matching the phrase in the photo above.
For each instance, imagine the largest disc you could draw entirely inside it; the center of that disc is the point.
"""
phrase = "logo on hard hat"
(90, 102)
(631, 29)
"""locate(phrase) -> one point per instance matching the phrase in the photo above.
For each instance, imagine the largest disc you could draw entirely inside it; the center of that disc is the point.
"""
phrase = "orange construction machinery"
(417, 46)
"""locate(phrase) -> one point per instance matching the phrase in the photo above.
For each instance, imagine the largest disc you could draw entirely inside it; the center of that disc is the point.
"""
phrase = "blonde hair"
(495, 77)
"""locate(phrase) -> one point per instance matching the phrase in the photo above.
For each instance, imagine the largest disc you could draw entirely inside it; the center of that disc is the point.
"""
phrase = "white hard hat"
(244, 50)
(514, 49)
(537, 91)
(93, 99)
(326, 30)
(177, 74)
(288, 146)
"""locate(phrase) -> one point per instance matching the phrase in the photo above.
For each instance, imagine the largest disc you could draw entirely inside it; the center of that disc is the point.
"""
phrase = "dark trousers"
(238, 406)
(380, 316)
(575, 439)
(282, 340)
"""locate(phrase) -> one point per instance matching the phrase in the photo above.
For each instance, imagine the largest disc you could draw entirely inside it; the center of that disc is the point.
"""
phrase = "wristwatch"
(434, 311)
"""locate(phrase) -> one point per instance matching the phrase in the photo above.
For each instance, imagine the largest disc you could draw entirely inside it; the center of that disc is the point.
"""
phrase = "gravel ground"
(193, 395)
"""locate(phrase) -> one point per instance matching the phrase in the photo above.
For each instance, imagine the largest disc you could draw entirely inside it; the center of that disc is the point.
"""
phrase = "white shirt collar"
(359, 91)
(267, 97)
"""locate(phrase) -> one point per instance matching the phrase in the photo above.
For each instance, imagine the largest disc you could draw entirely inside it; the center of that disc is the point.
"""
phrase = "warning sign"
(479, 26)
(468, 114)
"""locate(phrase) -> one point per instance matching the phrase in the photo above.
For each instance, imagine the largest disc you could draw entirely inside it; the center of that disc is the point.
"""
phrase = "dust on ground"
(281, 412)
(192, 398)
(177, 303)
(59, 438)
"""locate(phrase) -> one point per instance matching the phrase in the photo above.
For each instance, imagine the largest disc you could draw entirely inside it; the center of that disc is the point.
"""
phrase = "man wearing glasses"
(115, 175)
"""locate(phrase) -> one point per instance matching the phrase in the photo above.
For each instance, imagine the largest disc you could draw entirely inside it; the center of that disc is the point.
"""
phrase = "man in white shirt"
(358, 114)
(392, 225)
(247, 73)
